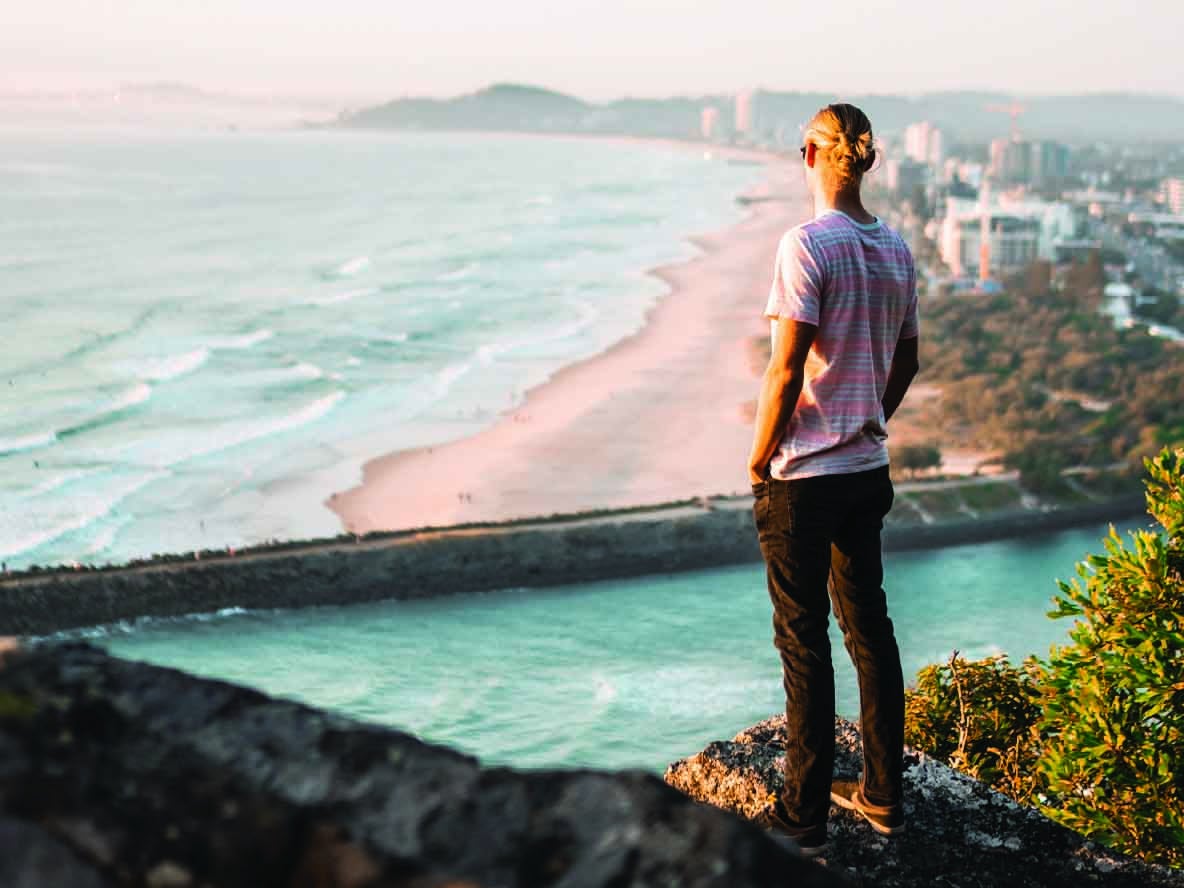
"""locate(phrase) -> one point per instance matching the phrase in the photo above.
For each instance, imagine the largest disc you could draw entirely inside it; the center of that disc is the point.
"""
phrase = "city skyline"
(361, 50)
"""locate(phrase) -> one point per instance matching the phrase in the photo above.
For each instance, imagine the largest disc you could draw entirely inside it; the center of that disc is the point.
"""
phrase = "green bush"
(914, 458)
(1113, 699)
(980, 716)
(1095, 735)
(1040, 466)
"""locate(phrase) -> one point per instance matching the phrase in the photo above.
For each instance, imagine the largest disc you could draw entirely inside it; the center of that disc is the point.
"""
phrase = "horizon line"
(274, 95)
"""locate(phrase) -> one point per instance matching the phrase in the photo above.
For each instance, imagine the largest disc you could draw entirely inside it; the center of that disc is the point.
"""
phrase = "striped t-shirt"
(856, 282)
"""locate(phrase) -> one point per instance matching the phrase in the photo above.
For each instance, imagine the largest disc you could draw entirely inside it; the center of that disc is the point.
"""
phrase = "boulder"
(116, 773)
(959, 831)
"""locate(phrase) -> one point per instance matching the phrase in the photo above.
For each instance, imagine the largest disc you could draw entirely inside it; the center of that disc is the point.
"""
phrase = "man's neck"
(847, 202)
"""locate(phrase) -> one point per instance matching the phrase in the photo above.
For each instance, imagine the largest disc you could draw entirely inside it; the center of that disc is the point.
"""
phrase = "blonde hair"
(844, 134)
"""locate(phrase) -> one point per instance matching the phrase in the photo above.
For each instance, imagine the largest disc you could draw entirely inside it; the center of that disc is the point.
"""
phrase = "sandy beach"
(657, 417)
(664, 415)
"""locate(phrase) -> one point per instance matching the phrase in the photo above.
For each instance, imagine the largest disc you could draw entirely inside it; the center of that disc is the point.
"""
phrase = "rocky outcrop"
(960, 833)
(114, 773)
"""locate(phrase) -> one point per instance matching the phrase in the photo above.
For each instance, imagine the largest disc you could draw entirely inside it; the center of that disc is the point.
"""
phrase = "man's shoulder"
(812, 235)
(898, 245)
(832, 228)
(825, 226)
(897, 238)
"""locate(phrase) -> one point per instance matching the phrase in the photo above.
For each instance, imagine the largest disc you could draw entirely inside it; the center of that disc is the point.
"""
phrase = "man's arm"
(780, 388)
(904, 367)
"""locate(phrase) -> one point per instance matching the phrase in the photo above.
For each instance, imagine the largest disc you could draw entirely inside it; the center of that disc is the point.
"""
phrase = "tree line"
(1040, 374)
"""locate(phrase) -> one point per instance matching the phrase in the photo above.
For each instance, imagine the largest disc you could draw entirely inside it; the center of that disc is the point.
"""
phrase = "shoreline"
(661, 409)
(286, 500)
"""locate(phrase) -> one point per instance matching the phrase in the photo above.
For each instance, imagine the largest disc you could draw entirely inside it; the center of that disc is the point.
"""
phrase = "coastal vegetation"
(1162, 307)
(1041, 375)
(914, 458)
(1094, 735)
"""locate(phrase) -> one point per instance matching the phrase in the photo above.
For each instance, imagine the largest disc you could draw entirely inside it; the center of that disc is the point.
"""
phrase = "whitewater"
(210, 332)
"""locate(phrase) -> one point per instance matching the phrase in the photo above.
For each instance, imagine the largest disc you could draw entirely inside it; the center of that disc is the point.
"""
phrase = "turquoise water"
(612, 674)
(207, 334)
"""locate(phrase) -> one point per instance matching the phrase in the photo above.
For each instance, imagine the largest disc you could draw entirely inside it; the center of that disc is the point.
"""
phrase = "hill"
(964, 115)
(503, 106)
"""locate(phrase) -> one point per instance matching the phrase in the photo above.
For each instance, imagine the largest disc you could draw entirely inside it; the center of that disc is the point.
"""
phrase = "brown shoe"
(810, 841)
(887, 821)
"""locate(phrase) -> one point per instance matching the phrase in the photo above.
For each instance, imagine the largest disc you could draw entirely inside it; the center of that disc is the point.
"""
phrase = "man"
(843, 313)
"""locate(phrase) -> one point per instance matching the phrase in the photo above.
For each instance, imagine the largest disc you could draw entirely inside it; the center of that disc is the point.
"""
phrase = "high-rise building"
(1017, 163)
(1020, 162)
(982, 246)
(987, 237)
(937, 147)
(745, 111)
(1049, 163)
(1171, 192)
(923, 143)
(998, 157)
(709, 123)
(904, 176)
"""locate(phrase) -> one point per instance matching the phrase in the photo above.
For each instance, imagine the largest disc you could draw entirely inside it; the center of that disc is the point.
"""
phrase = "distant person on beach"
(843, 312)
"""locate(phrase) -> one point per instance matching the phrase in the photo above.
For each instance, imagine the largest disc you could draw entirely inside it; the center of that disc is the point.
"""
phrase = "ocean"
(625, 673)
(208, 333)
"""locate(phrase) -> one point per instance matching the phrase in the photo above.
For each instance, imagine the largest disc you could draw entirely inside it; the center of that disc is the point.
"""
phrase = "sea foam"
(176, 448)
(137, 394)
(128, 627)
(55, 482)
(173, 366)
(268, 376)
(27, 442)
(585, 315)
(245, 340)
(353, 266)
(21, 532)
(338, 298)
(449, 375)
(458, 274)
(101, 413)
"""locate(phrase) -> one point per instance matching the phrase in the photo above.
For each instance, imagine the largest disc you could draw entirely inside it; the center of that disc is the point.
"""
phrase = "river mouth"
(614, 674)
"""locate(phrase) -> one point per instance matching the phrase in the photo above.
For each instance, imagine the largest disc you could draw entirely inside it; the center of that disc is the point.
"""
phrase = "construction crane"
(1014, 110)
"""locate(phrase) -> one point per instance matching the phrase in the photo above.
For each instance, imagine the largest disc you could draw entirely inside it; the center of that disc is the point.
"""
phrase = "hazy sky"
(597, 49)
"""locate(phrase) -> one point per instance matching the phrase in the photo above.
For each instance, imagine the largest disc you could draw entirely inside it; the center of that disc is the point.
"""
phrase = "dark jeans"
(817, 533)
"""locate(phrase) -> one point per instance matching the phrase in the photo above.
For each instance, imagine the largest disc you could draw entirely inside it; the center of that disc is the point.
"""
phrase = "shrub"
(980, 716)
(914, 458)
(1113, 699)
(1095, 735)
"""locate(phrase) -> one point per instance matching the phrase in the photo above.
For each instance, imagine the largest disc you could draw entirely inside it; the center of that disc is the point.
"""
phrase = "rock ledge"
(114, 773)
(960, 832)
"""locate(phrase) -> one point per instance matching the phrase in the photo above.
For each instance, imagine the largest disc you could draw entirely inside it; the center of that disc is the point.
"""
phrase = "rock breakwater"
(442, 561)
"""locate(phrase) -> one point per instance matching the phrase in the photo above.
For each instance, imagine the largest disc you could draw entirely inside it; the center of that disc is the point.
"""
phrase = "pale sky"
(364, 50)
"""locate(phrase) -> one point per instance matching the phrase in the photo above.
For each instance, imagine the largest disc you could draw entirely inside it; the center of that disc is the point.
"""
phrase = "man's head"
(838, 148)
